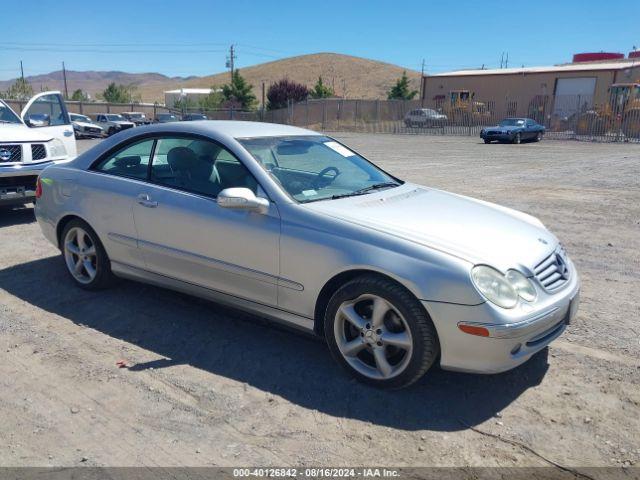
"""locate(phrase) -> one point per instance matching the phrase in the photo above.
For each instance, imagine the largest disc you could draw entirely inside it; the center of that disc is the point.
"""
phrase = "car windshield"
(115, 118)
(512, 122)
(7, 115)
(312, 168)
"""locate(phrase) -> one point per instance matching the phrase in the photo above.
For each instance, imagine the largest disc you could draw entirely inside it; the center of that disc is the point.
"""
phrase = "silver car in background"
(293, 225)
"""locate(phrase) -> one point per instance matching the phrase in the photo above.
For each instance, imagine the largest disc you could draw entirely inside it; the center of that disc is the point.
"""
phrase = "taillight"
(38, 188)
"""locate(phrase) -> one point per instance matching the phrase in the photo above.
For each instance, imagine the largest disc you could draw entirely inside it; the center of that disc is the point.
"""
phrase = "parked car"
(194, 116)
(138, 118)
(424, 117)
(513, 130)
(167, 118)
(293, 225)
(84, 127)
(29, 142)
(113, 123)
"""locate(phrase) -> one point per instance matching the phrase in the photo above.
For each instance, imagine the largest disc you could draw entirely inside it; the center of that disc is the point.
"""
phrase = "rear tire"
(380, 333)
(538, 137)
(85, 257)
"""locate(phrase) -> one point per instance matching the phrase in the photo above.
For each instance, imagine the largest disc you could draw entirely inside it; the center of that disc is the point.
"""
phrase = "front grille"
(27, 181)
(10, 153)
(553, 272)
(493, 132)
(38, 152)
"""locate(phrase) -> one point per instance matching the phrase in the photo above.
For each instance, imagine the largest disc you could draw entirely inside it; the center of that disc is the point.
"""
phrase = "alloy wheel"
(373, 337)
(80, 255)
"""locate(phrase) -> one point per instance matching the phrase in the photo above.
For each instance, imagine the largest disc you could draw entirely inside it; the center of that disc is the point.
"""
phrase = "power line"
(107, 51)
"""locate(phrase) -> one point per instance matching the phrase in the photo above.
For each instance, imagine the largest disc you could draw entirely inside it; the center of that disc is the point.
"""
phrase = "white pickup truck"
(41, 135)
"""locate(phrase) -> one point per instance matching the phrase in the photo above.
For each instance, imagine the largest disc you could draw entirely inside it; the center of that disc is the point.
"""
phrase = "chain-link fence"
(564, 116)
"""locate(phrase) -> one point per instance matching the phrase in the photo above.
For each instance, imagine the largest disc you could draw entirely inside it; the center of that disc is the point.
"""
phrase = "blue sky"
(191, 37)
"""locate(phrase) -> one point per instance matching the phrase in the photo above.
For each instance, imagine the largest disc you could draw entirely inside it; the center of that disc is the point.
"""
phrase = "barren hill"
(352, 77)
(349, 76)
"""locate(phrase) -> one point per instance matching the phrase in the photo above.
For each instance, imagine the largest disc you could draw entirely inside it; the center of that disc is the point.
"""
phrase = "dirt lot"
(212, 386)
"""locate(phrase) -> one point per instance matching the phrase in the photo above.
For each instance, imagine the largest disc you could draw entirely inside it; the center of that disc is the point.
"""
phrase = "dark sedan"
(194, 116)
(513, 130)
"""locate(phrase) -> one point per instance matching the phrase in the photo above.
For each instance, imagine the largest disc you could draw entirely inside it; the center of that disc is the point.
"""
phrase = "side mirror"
(38, 120)
(240, 198)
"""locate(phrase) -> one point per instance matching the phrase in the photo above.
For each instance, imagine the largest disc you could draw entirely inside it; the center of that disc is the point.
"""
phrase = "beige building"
(561, 90)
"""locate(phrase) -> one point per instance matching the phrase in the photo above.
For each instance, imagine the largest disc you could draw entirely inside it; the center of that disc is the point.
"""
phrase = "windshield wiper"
(365, 190)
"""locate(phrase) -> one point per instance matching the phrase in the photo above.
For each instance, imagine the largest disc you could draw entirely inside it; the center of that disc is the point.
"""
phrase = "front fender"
(315, 249)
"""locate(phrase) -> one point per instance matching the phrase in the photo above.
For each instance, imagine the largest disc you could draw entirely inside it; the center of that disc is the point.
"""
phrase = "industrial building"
(560, 90)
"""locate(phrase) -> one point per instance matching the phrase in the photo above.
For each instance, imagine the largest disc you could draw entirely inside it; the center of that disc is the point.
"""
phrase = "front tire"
(86, 260)
(379, 332)
(486, 140)
(517, 139)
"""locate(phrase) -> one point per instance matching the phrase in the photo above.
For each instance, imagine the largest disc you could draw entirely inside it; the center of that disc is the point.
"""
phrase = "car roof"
(229, 128)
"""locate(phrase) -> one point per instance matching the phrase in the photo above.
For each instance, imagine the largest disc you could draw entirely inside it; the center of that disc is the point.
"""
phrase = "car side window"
(198, 166)
(131, 161)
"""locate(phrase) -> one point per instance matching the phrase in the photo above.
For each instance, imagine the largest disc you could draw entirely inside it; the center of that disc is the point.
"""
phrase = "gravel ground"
(211, 386)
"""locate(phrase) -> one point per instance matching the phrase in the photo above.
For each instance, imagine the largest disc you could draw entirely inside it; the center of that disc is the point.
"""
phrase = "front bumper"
(500, 137)
(515, 335)
(17, 191)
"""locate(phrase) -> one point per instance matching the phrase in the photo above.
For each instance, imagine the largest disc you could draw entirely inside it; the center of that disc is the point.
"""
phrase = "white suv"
(30, 142)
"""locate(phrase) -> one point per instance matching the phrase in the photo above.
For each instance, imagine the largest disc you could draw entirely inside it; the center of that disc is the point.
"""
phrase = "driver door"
(58, 124)
(184, 234)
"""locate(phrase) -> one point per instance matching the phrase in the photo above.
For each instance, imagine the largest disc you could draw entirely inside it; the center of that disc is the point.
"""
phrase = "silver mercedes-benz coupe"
(295, 226)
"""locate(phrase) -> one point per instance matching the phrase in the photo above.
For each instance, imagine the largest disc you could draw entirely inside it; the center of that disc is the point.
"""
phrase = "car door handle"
(145, 201)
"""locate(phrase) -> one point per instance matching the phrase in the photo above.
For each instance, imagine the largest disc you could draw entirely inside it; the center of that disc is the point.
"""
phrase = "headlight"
(57, 149)
(494, 286)
(522, 285)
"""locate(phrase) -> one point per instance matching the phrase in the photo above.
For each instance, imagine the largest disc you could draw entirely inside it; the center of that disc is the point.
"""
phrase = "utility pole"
(506, 64)
(422, 81)
(64, 77)
(21, 71)
(263, 104)
(230, 60)
(502, 60)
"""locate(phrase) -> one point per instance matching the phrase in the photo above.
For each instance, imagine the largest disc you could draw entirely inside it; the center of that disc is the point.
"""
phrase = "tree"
(79, 95)
(284, 91)
(19, 90)
(320, 90)
(184, 104)
(238, 93)
(118, 93)
(400, 91)
(214, 100)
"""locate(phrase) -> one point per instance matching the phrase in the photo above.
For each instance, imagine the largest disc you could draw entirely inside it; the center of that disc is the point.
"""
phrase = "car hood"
(18, 132)
(85, 124)
(477, 231)
(509, 128)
